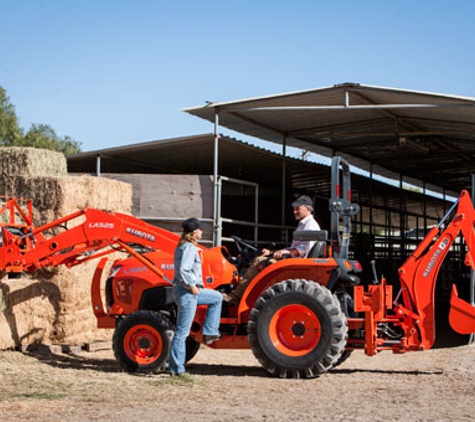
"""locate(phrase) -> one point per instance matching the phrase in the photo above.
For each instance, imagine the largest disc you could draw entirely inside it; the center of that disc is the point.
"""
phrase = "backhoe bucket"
(461, 315)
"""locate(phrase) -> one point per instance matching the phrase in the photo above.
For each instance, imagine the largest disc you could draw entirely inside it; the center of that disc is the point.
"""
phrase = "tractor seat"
(317, 250)
(320, 238)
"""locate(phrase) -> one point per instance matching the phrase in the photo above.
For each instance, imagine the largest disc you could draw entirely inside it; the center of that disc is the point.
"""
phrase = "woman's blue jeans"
(186, 304)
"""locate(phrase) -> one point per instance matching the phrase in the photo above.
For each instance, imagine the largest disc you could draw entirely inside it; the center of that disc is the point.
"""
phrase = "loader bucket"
(461, 315)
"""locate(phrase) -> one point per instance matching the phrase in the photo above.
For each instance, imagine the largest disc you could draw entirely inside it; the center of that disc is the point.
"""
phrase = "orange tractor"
(300, 316)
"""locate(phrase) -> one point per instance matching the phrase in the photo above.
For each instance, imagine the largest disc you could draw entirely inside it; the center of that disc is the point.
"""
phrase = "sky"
(109, 73)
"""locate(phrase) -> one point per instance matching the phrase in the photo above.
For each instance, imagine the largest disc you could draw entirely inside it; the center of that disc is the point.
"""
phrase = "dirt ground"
(437, 385)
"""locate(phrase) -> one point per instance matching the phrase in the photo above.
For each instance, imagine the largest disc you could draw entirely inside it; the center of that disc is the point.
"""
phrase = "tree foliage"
(10, 131)
(38, 136)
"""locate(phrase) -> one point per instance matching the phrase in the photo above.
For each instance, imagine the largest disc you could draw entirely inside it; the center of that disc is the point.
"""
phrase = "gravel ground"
(436, 385)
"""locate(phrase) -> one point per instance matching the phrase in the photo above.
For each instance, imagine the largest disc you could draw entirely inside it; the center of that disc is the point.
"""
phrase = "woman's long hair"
(187, 237)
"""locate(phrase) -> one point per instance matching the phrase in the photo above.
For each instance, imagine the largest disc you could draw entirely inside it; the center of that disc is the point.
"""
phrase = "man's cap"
(190, 225)
(303, 200)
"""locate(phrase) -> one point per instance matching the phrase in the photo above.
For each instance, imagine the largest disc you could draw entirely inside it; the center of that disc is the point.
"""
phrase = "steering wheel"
(244, 246)
(246, 251)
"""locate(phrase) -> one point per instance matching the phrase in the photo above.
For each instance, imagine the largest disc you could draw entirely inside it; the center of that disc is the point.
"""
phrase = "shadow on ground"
(71, 360)
(106, 365)
(81, 362)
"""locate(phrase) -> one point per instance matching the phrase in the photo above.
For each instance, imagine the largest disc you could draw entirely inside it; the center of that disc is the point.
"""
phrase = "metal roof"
(428, 139)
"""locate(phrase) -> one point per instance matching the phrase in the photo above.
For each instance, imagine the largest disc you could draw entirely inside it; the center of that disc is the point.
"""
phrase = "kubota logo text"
(435, 257)
(141, 234)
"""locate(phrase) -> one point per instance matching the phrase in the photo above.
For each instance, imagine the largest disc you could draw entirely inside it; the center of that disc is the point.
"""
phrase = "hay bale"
(26, 161)
(54, 197)
(43, 191)
(55, 307)
(75, 322)
(29, 309)
(51, 307)
(78, 192)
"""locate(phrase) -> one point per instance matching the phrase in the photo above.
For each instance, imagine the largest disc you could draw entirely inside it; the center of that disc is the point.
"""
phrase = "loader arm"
(418, 275)
(94, 233)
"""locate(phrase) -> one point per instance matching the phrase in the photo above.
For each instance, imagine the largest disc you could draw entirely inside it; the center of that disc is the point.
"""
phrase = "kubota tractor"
(300, 316)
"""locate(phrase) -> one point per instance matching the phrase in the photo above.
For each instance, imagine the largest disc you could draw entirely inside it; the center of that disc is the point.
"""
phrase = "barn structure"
(423, 142)
(412, 153)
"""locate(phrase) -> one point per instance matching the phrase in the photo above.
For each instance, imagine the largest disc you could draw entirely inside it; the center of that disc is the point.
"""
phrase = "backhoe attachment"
(461, 314)
(418, 275)
(408, 323)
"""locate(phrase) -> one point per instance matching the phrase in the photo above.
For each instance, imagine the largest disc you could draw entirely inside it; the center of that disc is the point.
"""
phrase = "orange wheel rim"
(294, 330)
(143, 344)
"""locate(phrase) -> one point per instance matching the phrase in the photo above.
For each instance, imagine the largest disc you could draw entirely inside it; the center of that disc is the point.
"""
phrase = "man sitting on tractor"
(303, 209)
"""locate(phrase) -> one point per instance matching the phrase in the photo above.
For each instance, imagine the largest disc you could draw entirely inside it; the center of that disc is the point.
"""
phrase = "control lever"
(375, 274)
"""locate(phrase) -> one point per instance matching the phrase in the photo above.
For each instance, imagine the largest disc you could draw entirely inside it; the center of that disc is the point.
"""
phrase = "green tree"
(44, 136)
(38, 136)
(10, 132)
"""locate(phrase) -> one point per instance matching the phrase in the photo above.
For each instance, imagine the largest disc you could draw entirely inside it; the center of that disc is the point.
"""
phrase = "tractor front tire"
(192, 347)
(142, 341)
(297, 329)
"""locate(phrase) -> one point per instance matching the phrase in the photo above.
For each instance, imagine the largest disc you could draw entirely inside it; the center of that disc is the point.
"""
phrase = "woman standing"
(189, 293)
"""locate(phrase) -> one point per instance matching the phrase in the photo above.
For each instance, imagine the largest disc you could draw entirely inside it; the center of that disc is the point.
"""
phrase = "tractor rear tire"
(344, 356)
(297, 329)
(142, 341)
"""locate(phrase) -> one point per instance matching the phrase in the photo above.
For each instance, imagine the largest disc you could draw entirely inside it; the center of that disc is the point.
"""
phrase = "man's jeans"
(187, 303)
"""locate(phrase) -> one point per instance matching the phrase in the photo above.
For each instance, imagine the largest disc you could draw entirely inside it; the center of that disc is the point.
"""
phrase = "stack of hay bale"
(54, 306)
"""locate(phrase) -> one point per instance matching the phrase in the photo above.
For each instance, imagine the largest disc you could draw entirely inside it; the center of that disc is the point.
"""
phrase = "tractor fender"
(157, 298)
(318, 270)
(103, 319)
(128, 293)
